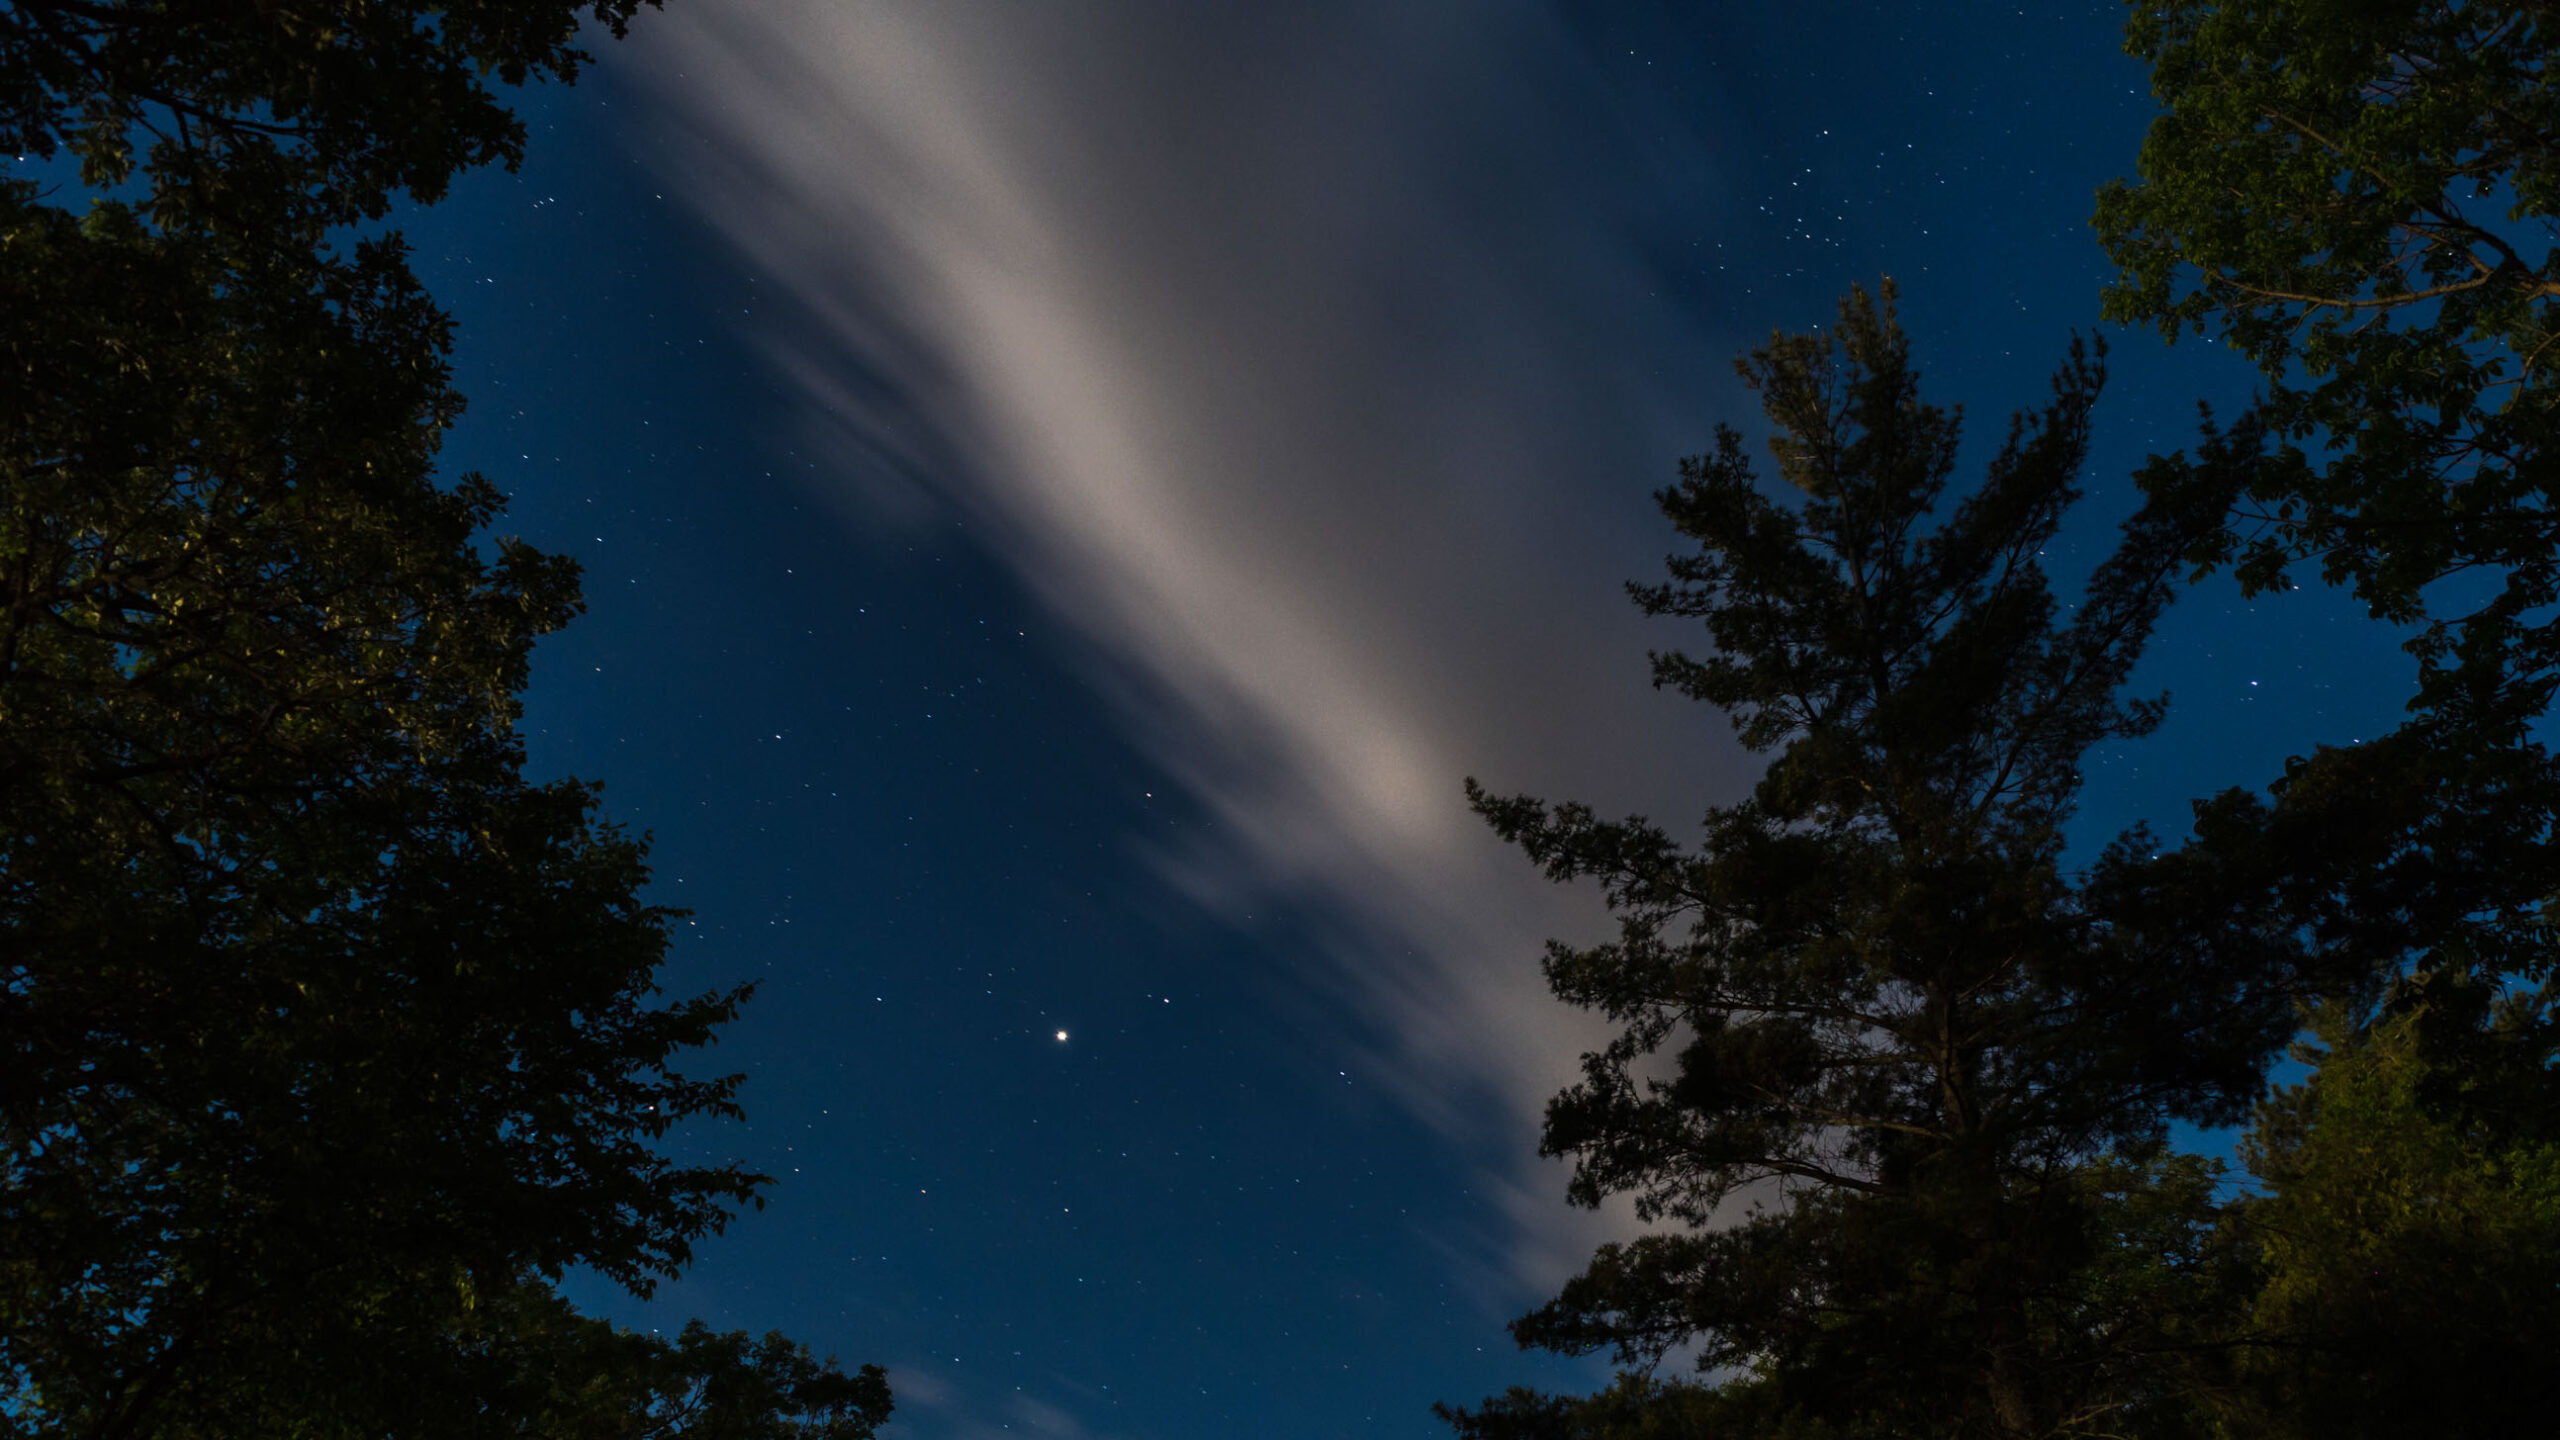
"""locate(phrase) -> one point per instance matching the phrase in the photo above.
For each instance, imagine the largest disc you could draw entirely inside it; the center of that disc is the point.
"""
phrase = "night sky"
(1068, 493)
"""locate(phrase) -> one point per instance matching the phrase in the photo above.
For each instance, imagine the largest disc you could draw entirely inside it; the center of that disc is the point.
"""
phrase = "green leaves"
(2408, 1247)
(2358, 198)
(307, 116)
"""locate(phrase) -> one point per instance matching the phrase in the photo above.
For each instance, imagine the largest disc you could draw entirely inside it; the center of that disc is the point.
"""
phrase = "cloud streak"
(1304, 359)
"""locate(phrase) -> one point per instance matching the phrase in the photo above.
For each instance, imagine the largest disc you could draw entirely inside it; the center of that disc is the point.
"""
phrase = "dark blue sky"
(1068, 492)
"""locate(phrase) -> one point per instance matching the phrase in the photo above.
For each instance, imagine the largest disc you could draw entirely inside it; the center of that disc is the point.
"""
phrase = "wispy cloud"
(1303, 358)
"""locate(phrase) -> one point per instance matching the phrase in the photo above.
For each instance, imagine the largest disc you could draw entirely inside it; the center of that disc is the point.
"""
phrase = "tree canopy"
(2358, 197)
(2406, 1244)
(514, 1360)
(313, 114)
(330, 1037)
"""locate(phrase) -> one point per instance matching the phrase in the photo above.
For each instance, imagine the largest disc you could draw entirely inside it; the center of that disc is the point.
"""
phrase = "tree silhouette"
(1895, 1079)
(328, 1036)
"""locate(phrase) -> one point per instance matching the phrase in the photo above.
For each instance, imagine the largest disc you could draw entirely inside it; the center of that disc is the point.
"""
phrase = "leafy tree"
(319, 1020)
(587, 1378)
(581, 1377)
(312, 114)
(309, 995)
(2359, 197)
(1894, 1080)
(2407, 1245)
(515, 1361)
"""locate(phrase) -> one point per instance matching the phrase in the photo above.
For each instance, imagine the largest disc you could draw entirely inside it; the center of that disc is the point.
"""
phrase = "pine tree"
(1892, 1081)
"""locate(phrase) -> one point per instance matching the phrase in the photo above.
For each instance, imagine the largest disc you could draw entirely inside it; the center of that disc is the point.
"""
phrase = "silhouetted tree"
(513, 1361)
(1895, 1081)
(326, 1033)
(304, 116)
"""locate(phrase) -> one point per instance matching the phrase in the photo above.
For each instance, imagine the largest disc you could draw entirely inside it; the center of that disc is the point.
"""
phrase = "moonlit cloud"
(1302, 358)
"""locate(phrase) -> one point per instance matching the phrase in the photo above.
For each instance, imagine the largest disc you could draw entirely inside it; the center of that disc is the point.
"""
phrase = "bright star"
(1062, 1034)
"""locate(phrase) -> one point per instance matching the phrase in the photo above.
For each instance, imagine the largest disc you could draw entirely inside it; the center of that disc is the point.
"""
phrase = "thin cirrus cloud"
(1304, 359)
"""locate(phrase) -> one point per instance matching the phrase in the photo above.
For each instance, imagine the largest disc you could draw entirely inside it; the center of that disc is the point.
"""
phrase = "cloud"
(922, 1392)
(1302, 356)
(1041, 1418)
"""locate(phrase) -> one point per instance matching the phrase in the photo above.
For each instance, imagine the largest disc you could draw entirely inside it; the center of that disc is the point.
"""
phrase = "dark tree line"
(330, 1040)
(1892, 1076)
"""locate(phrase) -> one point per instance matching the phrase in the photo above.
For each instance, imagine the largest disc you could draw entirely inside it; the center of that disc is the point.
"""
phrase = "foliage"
(2360, 198)
(303, 978)
(314, 113)
(2408, 1243)
(581, 1377)
(2358, 195)
(510, 1359)
(514, 1360)
(1869, 1003)
(327, 1034)
(1635, 1407)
